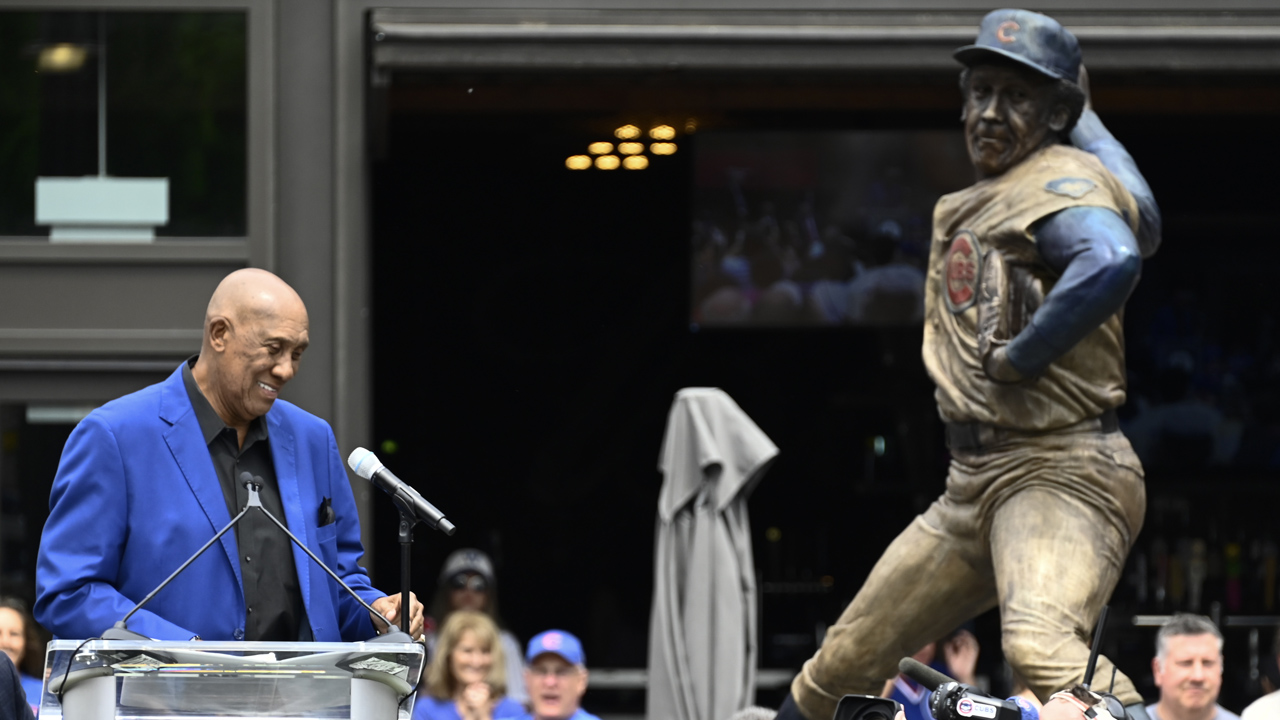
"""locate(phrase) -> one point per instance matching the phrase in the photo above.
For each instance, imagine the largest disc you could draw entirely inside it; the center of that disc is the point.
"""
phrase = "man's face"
(1009, 113)
(1190, 675)
(555, 686)
(262, 352)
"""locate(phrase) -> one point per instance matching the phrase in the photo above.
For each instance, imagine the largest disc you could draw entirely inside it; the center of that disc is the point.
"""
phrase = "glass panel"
(817, 228)
(176, 108)
(145, 679)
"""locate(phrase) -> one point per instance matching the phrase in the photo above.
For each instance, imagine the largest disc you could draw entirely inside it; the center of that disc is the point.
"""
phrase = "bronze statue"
(1028, 274)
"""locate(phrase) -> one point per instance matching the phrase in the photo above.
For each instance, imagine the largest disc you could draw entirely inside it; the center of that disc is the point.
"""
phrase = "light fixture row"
(657, 132)
(606, 162)
(630, 148)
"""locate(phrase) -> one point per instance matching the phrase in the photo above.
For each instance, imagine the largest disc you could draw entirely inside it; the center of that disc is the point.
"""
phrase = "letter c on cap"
(1010, 26)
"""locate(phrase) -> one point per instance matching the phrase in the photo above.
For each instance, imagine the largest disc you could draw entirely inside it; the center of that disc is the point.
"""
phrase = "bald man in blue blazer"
(147, 479)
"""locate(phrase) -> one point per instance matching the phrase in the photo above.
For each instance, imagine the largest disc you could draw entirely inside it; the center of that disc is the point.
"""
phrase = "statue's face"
(1009, 113)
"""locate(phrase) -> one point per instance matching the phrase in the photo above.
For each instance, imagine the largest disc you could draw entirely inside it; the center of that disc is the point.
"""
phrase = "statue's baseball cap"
(556, 642)
(1029, 38)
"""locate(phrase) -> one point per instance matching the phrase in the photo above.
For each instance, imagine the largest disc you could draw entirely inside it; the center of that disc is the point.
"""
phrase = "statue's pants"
(1037, 524)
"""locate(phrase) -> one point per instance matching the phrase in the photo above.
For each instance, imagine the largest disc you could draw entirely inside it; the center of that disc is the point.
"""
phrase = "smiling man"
(556, 677)
(1028, 273)
(146, 480)
(1188, 670)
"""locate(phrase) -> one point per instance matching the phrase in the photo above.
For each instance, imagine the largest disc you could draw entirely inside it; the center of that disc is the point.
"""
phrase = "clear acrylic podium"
(103, 679)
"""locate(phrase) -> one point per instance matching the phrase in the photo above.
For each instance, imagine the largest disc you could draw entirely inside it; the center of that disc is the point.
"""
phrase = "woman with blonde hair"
(466, 679)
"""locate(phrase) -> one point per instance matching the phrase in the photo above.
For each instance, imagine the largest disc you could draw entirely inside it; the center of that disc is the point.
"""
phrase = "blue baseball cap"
(1036, 41)
(556, 642)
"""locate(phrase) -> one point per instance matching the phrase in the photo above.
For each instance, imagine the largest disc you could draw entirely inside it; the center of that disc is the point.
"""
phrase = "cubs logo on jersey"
(962, 271)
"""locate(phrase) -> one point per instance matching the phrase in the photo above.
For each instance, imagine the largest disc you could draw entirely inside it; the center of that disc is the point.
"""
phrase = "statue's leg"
(1058, 546)
(919, 590)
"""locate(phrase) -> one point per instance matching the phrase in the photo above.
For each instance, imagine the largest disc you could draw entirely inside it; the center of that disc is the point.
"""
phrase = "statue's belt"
(974, 436)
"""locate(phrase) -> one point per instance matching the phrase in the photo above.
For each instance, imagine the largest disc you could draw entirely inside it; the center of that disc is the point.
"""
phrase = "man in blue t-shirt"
(956, 656)
(556, 675)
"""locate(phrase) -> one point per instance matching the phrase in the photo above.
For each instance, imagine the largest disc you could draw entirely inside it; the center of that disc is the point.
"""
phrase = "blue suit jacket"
(136, 494)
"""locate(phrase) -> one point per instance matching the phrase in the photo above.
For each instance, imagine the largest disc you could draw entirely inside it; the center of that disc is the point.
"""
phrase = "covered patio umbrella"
(702, 633)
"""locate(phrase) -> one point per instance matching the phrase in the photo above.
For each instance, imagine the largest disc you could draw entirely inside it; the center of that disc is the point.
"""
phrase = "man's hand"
(961, 654)
(390, 606)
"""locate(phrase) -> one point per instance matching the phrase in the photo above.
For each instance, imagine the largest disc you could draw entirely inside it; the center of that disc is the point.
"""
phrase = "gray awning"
(733, 40)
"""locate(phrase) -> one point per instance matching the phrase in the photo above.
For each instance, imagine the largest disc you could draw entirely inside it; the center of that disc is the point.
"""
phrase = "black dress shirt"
(272, 597)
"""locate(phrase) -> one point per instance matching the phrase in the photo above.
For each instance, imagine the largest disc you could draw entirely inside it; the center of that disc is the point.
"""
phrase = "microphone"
(923, 674)
(954, 700)
(368, 466)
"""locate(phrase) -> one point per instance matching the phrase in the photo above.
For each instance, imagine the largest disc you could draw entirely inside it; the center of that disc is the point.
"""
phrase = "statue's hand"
(997, 366)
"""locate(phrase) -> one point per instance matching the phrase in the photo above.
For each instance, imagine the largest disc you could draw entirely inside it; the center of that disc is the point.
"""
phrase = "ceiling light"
(627, 132)
(663, 148)
(578, 162)
(662, 132)
(635, 162)
(61, 58)
(630, 148)
(600, 148)
(607, 162)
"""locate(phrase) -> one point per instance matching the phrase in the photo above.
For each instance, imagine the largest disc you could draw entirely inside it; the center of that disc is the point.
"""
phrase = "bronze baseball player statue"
(1028, 274)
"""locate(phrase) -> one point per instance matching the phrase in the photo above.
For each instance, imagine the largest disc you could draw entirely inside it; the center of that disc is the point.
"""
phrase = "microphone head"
(246, 477)
(922, 673)
(363, 463)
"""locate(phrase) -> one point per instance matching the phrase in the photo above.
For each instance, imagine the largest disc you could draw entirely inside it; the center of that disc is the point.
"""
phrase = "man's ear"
(219, 329)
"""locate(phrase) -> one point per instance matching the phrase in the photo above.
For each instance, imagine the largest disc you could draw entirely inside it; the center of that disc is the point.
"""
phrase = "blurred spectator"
(1267, 706)
(467, 582)
(13, 704)
(466, 680)
(1188, 670)
(890, 290)
(20, 640)
(556, 677)
(955, 656)
(781, 304)
(1181, 430)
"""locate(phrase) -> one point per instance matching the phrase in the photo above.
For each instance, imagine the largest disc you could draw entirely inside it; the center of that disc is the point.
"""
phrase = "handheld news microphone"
(954, 700)
(368, 466)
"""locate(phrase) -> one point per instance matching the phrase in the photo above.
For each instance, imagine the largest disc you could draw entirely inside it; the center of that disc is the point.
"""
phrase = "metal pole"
(102, 94)
(406, 568)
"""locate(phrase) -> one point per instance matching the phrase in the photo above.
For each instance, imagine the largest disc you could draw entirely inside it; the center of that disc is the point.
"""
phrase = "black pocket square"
(327, 516)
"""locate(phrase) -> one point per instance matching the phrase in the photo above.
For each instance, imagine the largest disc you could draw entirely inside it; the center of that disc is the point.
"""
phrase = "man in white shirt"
(1188, 670)
(1267, 706)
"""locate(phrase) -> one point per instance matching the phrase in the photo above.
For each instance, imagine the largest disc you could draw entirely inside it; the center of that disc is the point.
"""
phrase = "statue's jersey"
(999, 215)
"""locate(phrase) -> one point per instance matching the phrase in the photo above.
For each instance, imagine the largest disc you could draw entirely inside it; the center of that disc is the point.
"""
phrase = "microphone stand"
(407, 520)
(120, 630)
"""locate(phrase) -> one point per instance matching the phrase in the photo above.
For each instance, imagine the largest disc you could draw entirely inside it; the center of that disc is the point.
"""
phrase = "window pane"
(176, 99)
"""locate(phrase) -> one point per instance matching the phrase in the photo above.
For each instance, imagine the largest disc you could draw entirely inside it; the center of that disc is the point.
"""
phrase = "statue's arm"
(1092, 136)
(1099, 263)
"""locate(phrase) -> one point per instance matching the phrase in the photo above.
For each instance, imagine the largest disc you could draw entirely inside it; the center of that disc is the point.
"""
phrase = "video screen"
(826, 228)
